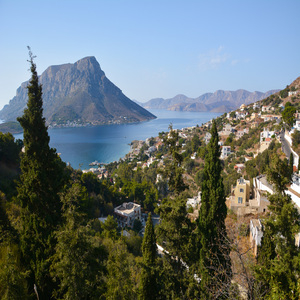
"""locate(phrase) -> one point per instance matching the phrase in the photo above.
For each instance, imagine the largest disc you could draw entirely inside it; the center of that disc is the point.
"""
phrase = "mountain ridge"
(219, 101)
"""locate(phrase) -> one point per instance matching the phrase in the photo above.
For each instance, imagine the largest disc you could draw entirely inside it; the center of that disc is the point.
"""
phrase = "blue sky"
(155, 48)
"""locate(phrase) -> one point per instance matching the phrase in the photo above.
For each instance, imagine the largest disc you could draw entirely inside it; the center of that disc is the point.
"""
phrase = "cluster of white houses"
(243, 203)
(243, 199)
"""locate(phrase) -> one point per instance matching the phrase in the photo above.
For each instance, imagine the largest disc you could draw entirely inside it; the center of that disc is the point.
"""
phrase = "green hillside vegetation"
(53, 246)
(12, 127)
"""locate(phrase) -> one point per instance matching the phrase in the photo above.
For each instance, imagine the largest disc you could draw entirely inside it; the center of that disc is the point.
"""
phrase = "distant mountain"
(219, 101)
(79, 93)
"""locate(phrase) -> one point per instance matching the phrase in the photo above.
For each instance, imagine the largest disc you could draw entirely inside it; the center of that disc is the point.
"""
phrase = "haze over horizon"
(152, 49)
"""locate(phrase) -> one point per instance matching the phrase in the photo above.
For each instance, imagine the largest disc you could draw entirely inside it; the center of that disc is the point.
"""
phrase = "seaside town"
(205, 212)
(258, 125)
(150, 150)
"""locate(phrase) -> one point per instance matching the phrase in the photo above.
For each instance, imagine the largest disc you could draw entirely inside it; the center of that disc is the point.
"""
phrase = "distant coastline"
(12, 127)
(107, 143)
(15, 128)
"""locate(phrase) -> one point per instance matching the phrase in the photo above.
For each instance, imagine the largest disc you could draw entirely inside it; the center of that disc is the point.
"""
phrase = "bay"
(80, 146)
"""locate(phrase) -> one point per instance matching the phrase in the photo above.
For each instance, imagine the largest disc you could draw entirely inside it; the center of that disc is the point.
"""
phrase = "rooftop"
(127, 207)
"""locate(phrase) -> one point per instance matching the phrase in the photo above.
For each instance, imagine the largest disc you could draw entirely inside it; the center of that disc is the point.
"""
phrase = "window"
(240, 200)
(241, 190)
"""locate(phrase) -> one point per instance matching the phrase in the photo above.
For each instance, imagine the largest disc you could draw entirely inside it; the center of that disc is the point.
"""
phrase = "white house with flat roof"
(126, 213)
(225, 151)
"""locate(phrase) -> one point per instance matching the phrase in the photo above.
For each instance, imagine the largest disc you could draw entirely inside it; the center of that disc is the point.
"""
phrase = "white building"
(292, 93)
(207, 137)
(266, 108)
(294, 190)
(260, 182)
(297, 125)
(256, 105)
(227, 129)
(256, 234)
(241, 132)
(225, 151)
(127, 213)
(266, 134)
(193, 202)
(261, 188)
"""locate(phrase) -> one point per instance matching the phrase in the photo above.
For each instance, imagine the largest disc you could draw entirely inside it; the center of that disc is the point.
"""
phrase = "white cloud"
(213, 59)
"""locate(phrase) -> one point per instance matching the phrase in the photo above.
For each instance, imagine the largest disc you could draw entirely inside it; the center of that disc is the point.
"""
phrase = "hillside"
(79, 93)
(219, 101)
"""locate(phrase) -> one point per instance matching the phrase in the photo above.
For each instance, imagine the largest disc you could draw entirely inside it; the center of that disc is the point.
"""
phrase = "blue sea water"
(82, 145)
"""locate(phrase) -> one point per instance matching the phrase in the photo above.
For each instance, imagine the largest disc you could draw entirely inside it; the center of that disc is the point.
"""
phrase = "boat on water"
(94, 163)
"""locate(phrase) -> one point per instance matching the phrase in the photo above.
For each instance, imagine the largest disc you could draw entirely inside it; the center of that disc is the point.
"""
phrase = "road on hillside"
(285, 146)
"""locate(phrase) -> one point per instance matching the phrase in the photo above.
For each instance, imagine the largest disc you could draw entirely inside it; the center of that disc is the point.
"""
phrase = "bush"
(284, 93)
(244, 229)
(296, 138)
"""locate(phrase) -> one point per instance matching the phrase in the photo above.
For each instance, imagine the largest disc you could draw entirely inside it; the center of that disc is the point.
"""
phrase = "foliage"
(296, 138)
(175, 234)
(12, 127)
(284, 93)
(13, 283)
(196, 143)
(134, 243)
(78, 260)
(110, 228)
(251, 168)
(278, 261)
(42, 179)
(149, 275)
(9, 162)
(120, 265)
(173, 171)
(214, 249)
(137, 225)
(291, 164)
(288, 114)
(278, 173)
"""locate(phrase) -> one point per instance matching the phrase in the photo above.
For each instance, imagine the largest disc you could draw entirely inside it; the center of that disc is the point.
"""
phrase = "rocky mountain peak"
(88, 63)
(79, 93)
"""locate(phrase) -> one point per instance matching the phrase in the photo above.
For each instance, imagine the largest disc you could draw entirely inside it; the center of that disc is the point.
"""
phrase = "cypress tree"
(215, 266)
(41, 180)
(174, 170)
(291, 164)
(148, 286)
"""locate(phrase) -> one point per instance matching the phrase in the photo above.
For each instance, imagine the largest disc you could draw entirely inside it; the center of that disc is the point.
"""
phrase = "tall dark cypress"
(215, 266)
(291, 164)
(41, 181)
(148, 285)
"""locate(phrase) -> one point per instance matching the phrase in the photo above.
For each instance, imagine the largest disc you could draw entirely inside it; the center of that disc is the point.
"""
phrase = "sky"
(156, 48)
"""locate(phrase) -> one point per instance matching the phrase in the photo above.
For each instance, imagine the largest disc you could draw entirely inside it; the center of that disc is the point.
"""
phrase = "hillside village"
(205, 212)
(243, 135)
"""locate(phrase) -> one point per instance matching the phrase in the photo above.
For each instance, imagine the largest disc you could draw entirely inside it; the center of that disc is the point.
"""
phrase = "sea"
(80, 146)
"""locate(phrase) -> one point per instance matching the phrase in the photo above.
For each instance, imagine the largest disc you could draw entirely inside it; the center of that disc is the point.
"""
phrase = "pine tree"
(175, 232)
(42, 178)
(215, 266)
(148, 285)
(78, 260)
(120, 268)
